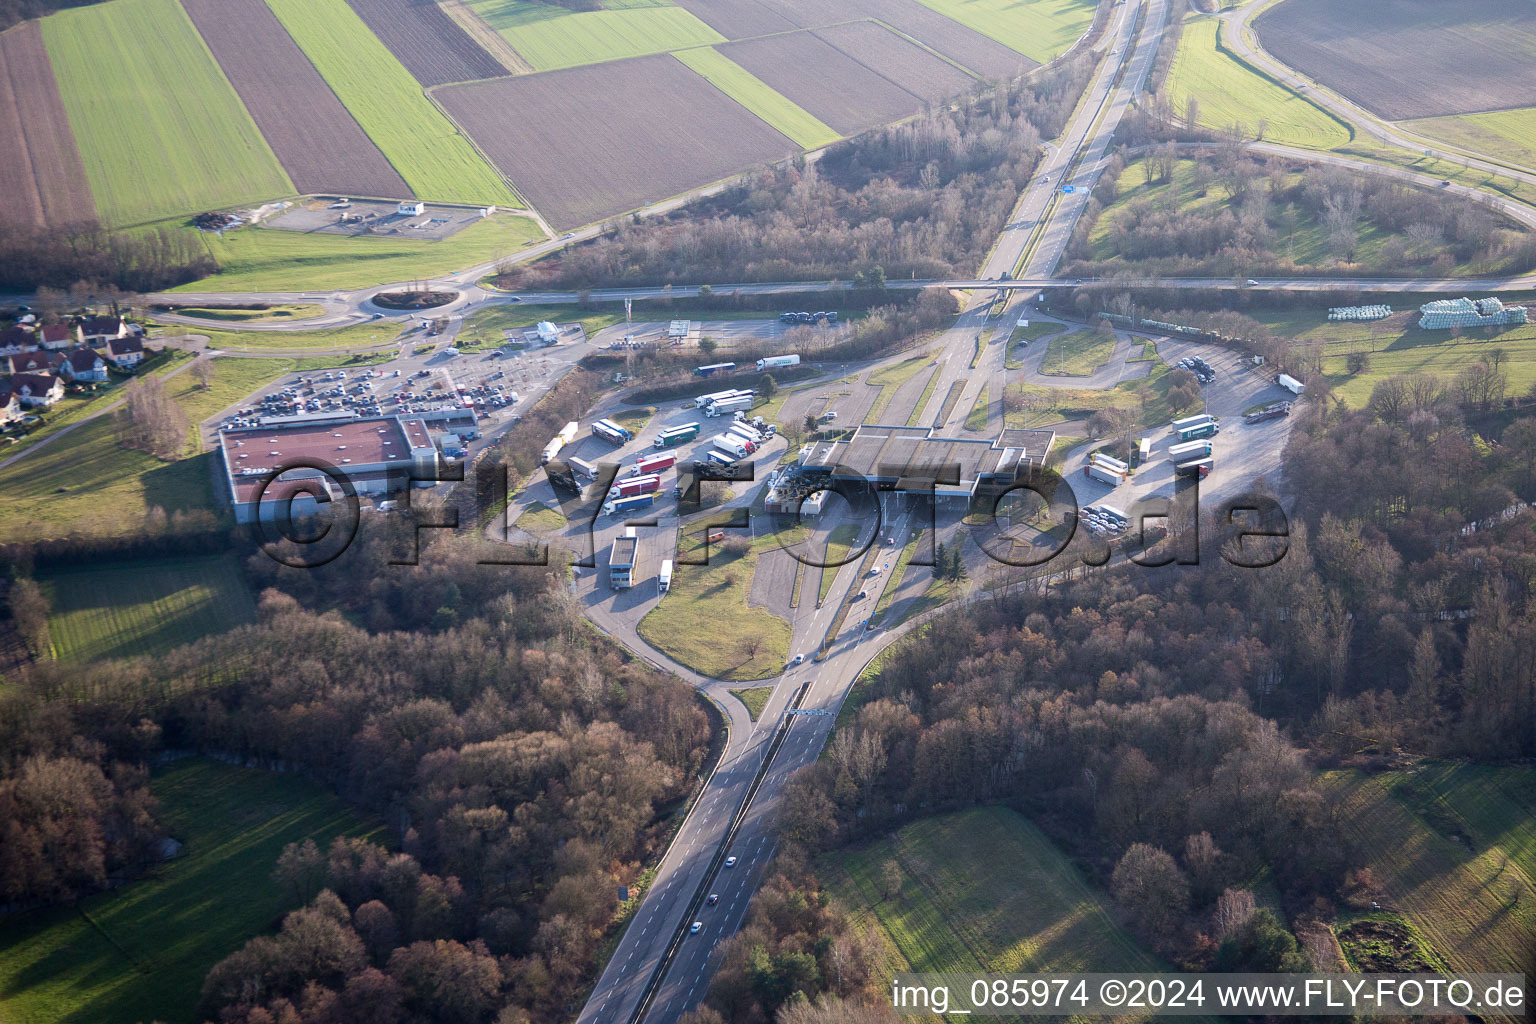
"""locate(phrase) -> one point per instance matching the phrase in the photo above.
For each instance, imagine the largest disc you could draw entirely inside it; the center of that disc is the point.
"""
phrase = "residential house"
(55, 336)
(10, 405)
(16, 339)
(84, 366)
(98, 330)
(124, 353)
(37, 389)
(33, 362)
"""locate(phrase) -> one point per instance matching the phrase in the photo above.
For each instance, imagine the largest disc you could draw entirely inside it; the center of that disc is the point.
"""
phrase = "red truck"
(652, 464)
(635, 485)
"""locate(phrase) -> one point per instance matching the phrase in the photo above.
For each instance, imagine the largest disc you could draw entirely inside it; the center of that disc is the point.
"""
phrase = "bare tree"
(203, 370)
(151, 421)
(29, 610)
(1233, 909)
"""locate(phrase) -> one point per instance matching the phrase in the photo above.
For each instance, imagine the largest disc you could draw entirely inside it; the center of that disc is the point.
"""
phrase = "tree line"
(137, 261)
(528, 767)
(921, 199)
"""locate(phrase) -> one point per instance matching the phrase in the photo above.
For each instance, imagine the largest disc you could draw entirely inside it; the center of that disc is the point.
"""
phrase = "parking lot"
(336, 215)
(1243, 452)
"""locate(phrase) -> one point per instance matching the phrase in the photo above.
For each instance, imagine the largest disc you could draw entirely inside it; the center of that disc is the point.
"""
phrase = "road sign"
(1068, 189)
(809, 711)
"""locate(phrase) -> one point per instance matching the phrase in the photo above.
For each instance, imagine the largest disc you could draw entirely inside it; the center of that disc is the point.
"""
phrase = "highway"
(660, 970)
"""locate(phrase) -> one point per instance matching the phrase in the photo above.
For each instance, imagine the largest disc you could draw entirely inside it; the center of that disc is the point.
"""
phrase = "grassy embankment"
(889, 380)
(1079, 354)
(139, 953)
(1228, 91)
(755, 698)
(143, 607)
(704, 621)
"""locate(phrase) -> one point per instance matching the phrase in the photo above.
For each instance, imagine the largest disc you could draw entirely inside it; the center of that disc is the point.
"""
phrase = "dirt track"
(45, 182)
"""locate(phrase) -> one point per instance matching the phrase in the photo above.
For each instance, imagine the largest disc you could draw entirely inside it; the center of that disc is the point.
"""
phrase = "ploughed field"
(318, 142)
(427, 41)
(1411, 58)
(45, 181)
(592, 142)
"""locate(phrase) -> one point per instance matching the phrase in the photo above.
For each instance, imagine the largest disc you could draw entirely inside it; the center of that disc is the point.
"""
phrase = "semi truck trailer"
(774, 362)
(634, 503)
(653, 464)
(726, 406)
(635, 485)
(676, 436)
(611, 432)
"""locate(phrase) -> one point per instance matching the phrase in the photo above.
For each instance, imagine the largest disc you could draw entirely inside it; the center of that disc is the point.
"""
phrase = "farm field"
(316, 140)
(552, 38)
(736, 20)
(429, 43)
(154, 939)
(261, 259)
(1398, 346)
(908, 65)
(1454, 848)
(169, 137)
(1410, 58)
(434, 159)
(1508, 135)
(972, 49)
(740, 642)
(1078, 354)
(1230, 92)
(753, 93)
(45, 179)
(1041, 30)
(144, 607)
(981, 891)
(600, 140)
(823, 80)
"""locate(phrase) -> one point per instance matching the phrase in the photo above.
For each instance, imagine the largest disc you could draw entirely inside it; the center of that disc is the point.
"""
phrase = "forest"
(1165, 727)
(525, 766)
(921, 199)
(141, 261)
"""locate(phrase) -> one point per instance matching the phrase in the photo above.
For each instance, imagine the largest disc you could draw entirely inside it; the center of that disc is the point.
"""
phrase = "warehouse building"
(378, 456)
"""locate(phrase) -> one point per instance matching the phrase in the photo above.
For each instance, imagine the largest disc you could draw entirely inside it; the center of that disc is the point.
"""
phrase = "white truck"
(727, 406)
(1104, 474)
(774, 362)
(1290, 384)
(703, 401)
(664, 578)
(731, 446)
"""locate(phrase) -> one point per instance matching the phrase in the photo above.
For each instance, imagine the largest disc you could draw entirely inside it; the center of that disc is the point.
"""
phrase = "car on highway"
(714, 898)
(1252, 283)
(514, 298)
(797, 660)
(696, 927)
(568, 234)
(730, 862)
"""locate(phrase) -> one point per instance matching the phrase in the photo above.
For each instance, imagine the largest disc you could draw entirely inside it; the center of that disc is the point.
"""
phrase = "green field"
(1229, 92)
(889, 380)
(255, 315)
(704, 621)
(140, 953)
(757, 96)
(551, 37)
(755, 699)
(982, 891)
(160, 129)
(1041, 30)
(429, 152)
(85, 482)
(1397, 346)
(1508, 135)
(541, 518)
(838, 542)
(332, 341)
(145, 607)
(1454, 848)
(1079, 354)
(263, 259)
(976, 419)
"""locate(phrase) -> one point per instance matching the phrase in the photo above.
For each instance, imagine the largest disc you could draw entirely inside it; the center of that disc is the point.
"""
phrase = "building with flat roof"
(886, 455)
(376, 455)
